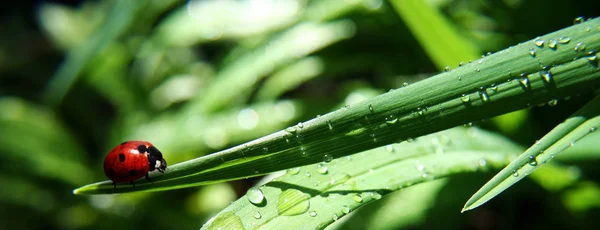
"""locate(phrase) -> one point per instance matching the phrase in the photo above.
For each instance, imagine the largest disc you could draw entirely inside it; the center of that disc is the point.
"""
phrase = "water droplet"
(329, 125)
(482, 162)
(553, 102)
(257, 215)
(546, 76)
(477, 70)
(255, 195)
(524, 81)
(461, 64)
(307, 174)
(389, 148)
(420, 167)
(593, 129)
(291, 130)
(572, 143)
(494, 87)
(593, 60)
(424, 175)
(460, 78)
(447, 69)
(532, 52)
(313, 213)
(293, 171)
(265, 149)
(579, 47)
(322, 169)
(405, 84)
(539, 42)
(371, 170)
(515, 173)
(409, 139)
(371, 108)
(533, 161)
(375, 196)
(392, 119)
(300, 125)
(292, 202)
(578, 20)
(465, 98)
(564, 40)
(334, 217)
(552, 44)
(357, 198)
(345, 209)
(327, 158)
(484, 96)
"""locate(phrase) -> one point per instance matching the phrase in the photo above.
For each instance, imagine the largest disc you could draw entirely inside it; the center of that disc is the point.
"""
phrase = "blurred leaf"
(438, 37)
(33, 139)
(290, 77)
(241, 76)
(314, 196)
(577, 126)
(440, 102)
(583, 197)
(119, 19)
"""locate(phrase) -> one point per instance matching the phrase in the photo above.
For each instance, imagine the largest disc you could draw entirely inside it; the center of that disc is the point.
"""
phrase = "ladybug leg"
(132, 183)
(148, 178)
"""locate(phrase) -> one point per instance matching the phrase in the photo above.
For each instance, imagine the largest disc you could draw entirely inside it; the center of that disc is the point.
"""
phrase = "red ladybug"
(132, 160)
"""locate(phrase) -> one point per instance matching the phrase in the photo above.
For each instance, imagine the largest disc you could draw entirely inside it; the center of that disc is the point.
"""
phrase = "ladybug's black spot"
(142, 148)
(111, 173)
(121, 157)
(132, 172)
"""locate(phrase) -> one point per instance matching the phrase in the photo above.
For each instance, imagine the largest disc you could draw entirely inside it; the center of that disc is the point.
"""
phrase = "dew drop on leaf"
(375, 196)
(322, 169)
(553, 44)
(533, 161)
(532, 52)
(564, 40)
(327, 158)
(255, 195)
(515, 173)
(292, 202)
(345, 209)
(389, 148)
(578, 20)
(465, 98)
(539, 42)
(257, 215)
(357, 198)
(334, 217)
(313, 213)
(293, 171)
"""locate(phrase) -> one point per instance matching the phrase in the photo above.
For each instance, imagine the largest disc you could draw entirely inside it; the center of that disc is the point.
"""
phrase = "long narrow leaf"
(583, 122)
(506, 81)
(315, 196)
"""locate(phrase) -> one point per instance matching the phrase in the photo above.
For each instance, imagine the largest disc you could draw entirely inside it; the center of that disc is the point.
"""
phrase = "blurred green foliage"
(194, 77)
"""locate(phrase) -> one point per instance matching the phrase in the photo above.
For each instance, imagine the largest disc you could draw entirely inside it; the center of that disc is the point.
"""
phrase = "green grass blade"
(560, 138)
(442, 42)
(119, 19)
(506, 81)
(314, 196)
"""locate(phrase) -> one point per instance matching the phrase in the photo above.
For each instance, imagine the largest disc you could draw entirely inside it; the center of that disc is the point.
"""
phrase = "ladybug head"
(156, 160)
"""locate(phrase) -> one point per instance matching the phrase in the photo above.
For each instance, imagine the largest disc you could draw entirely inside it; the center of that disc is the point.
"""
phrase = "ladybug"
(132, 160)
